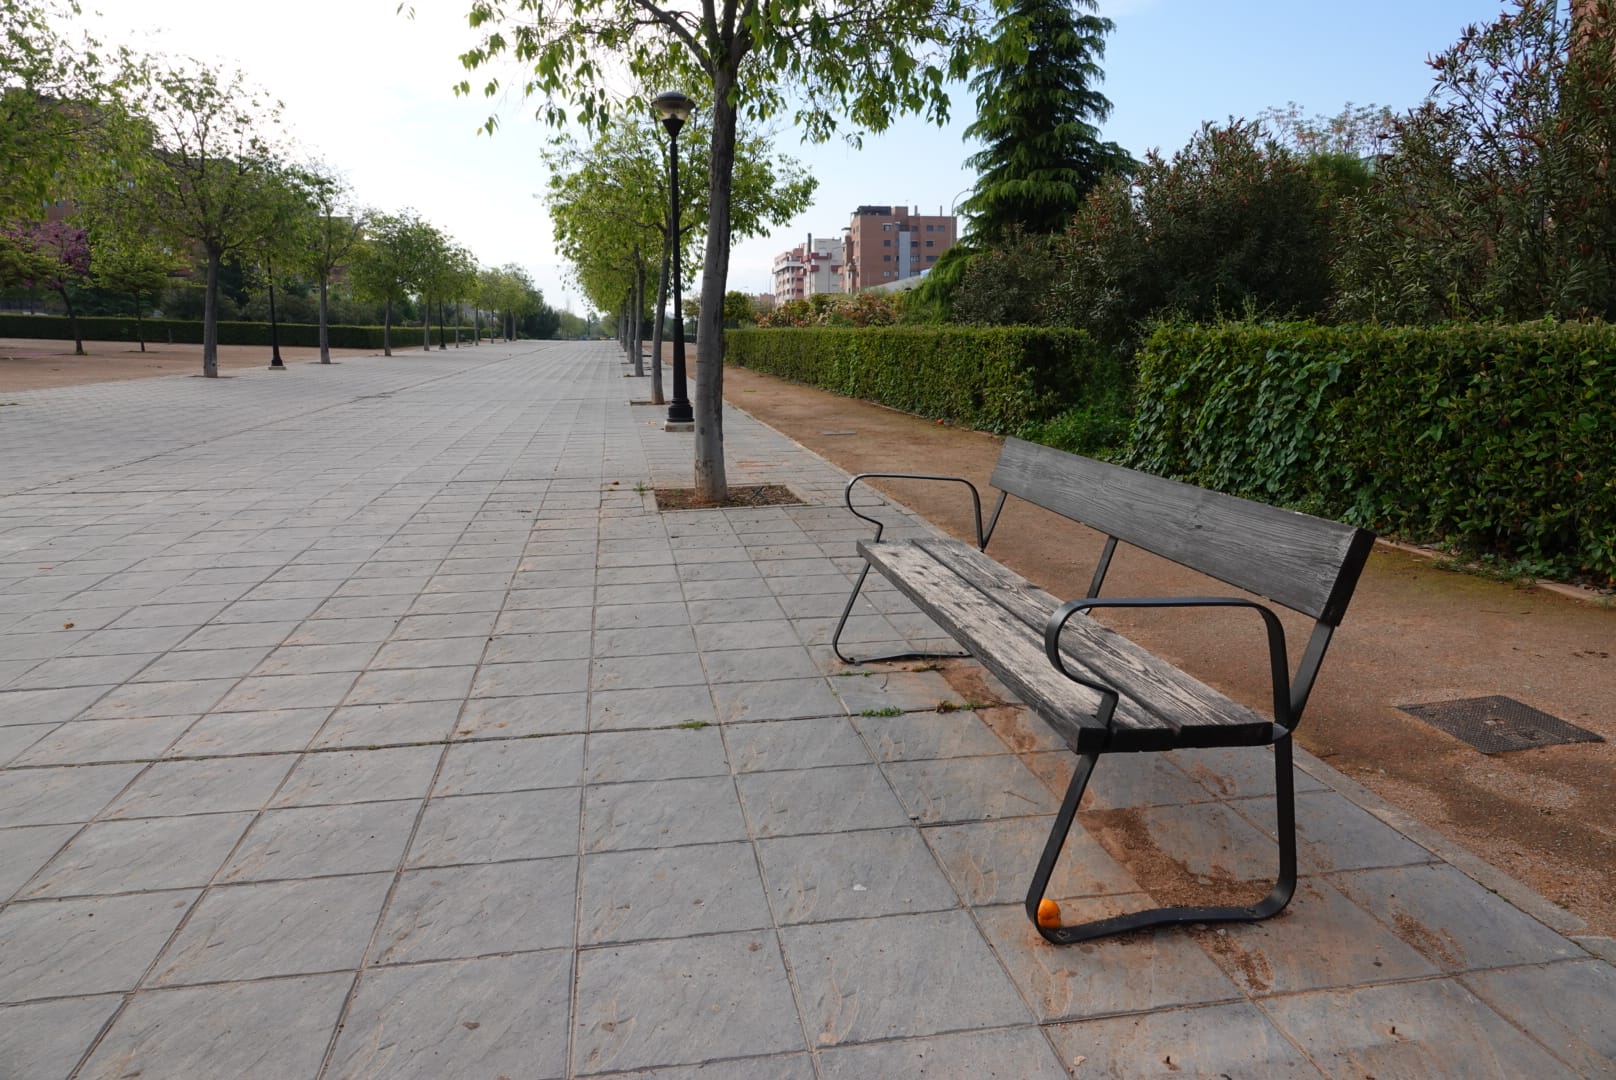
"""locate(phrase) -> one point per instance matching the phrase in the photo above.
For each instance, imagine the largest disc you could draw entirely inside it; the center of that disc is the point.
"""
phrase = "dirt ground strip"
(36, 365)
(1414, 634)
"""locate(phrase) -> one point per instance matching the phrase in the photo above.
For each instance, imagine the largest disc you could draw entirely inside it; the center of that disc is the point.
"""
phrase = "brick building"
(888, 243)
(814, 267)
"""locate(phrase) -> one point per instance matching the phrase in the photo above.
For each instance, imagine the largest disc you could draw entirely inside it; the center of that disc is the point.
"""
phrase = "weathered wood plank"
(1002, 644)
(1306, 563)
(1178, 699)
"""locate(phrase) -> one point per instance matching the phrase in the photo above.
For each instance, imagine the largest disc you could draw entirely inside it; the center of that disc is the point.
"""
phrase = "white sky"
(369, 92)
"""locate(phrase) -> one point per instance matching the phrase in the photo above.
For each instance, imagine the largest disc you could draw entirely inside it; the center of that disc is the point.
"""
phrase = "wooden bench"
(1097, 689)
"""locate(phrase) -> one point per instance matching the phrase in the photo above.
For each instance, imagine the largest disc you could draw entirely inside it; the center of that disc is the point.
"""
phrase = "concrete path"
(368, 721)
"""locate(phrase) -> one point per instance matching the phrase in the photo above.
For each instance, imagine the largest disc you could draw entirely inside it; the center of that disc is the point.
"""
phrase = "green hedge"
(1496, 438)
(995, 379)
(189, 331)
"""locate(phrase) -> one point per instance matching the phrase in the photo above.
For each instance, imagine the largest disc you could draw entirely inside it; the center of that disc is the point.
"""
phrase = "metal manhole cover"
(1498, 724)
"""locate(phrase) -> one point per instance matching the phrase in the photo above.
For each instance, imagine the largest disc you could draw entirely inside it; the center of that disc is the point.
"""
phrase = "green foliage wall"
(1495, 437)
(188, 332)
(994, 379)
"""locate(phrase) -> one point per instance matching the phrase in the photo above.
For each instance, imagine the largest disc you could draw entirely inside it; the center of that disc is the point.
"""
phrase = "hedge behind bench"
(1500, 438)
(993, 379)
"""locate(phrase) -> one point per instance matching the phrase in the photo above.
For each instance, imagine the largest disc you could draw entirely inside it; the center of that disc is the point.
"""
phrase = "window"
(931, 258)
(886, 273)
(886, 258)
(886, 243)
(931, 243)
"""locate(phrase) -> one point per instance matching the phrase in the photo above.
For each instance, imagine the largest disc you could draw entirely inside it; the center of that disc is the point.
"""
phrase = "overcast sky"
(369, 92)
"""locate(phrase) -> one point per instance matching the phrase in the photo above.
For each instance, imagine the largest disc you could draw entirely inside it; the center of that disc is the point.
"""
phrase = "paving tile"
(969, 789)
(650, 613)
(491, 828)
(852, 875)
(1335, 834)
(155, 615)
(992, 862)
(662, 1003)
(1417, 1029)
(39, 1042)
(646, 672)
(149, 854)
(462, 911)
(778, 699)
(538, 677)
(910, 691)
(1566, 1006)
(381, 725)
(24, 850)
(341, 631)
(515, 717)
(795, 744)
(920, 736)
(1215, 1040)
(430, 652)
(84, 742)
(511, 765)
(644, 641)
(239, 635)
(254, 1031)
(190, 664)
(316, 659)
(656, 707)
(1019, 1052)
(259, 692)
(317, 841)
(615, 757)
(69, 671)
(1208, 843)
(1236, 773)
(347, 776)
(47, 706)
(514, 1023)
(869, 979)
(61, 948)
(275, 928)
(661, 813)
(1452, 921)
(833, 799)
(134, 700)
(417, 684)
(1132, 973)
(1322, 940)
(176, 788)
(1128, 780)
(466, 624)
(60, 796)
(671, 892)
(271, 731)
(726, 637)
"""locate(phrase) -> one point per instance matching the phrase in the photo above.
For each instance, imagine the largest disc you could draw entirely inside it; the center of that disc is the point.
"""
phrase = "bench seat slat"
(999, 618)
(1000, 642)
(1180, 700)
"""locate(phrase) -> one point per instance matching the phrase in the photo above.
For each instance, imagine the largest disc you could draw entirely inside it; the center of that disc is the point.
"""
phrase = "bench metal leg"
(1273, 904)
(836, 638)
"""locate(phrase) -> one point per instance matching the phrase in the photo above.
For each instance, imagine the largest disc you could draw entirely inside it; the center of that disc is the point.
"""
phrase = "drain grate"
(1498, 724)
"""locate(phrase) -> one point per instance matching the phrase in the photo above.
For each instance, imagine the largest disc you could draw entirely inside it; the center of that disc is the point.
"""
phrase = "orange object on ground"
(1049, 916)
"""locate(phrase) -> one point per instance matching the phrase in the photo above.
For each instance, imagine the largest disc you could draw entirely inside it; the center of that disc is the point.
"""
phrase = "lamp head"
(674, 108)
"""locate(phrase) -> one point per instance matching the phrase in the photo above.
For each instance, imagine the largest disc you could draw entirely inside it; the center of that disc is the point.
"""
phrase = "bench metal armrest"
(976, 502)
(1278, 662)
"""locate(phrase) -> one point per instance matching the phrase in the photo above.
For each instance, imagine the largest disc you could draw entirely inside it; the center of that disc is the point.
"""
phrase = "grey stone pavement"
(369, 721)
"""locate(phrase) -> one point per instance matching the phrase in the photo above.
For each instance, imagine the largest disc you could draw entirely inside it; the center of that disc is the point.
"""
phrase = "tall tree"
(333, 235)
(207, 169)
(1037, 114)
(283, 223)
(54, 256)
(867, 62)
(131, 261)
(384, 265)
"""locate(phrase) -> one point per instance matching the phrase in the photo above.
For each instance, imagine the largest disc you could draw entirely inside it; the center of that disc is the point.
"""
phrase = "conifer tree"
(1037, 115)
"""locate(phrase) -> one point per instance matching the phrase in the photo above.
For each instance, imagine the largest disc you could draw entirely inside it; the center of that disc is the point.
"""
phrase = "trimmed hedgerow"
(1495, 438)
(998, 379)
(189, 331)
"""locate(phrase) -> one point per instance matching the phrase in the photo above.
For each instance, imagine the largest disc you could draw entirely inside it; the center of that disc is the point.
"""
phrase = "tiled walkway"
(368, 721)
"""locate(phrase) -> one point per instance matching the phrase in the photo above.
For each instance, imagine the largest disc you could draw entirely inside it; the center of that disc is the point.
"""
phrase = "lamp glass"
(673, 106)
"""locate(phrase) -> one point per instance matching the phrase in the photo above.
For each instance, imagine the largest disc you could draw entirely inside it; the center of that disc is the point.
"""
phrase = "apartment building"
(887, 243)
(814, 267)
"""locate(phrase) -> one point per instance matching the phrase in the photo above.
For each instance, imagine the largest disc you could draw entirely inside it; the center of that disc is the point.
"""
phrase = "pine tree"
(1038, 115)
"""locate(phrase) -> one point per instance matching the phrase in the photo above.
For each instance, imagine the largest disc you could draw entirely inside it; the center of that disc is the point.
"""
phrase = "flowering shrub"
(835, 309)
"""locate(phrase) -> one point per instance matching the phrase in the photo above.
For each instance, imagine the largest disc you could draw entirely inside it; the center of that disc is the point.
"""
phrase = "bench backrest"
(1308, 564)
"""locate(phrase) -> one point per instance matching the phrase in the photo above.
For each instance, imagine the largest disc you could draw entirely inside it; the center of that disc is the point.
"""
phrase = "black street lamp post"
(674, 108)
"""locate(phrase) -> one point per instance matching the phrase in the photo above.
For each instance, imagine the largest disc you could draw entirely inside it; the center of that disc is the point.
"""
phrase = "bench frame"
(1187, 525)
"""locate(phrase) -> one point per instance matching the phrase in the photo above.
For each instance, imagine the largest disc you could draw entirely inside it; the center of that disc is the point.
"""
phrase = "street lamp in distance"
(675, 109)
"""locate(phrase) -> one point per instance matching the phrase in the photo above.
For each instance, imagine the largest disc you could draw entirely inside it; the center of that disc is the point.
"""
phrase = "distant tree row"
(126, 172)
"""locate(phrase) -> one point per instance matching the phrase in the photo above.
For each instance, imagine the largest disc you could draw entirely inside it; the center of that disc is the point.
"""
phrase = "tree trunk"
(274, 325)
(210, 316)
(387, 327)
(459, 316)
(72, 320)
(140, 327)
(477, 325)
(325, 328)
(441, 344)
(661, 317)
(708, 400)
(639, 314)
(426, 325)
